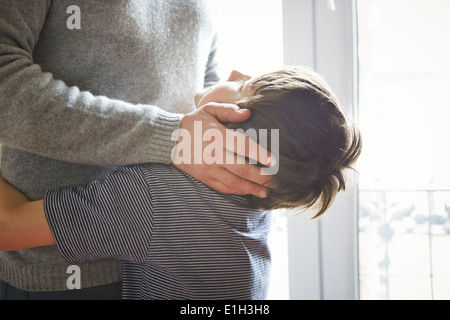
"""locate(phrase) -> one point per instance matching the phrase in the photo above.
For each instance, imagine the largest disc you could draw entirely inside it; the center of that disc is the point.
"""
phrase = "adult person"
(86, 86)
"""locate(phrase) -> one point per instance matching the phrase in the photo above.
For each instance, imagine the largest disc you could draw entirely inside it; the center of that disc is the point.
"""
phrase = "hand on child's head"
(224, 176)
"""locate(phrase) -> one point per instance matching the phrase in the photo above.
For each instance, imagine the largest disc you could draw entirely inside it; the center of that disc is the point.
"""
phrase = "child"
(178, 238)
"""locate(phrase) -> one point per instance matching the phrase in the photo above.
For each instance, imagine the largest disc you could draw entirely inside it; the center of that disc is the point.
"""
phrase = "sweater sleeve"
(42, 115)
(111, 218)
(212, 68)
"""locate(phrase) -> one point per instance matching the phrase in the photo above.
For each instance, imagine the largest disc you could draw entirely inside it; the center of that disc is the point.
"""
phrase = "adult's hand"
(233, 177)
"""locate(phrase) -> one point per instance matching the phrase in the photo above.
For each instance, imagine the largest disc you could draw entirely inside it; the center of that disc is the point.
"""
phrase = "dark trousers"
(105, 292)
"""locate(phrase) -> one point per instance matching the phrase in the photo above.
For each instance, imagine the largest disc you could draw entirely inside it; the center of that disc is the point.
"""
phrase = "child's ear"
(237, 75)
(233, 75)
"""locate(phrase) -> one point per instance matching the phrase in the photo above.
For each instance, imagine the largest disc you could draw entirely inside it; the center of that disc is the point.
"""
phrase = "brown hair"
(316, 141)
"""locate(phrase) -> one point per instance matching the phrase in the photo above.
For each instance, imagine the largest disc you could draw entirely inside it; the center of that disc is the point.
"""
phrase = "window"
(404, 192)
(388, 236)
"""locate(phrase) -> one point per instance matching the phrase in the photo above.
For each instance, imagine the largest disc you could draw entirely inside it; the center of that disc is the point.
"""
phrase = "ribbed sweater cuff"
(165, 136)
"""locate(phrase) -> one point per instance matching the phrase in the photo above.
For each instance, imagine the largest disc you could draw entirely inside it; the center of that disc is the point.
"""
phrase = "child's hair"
(316, 141)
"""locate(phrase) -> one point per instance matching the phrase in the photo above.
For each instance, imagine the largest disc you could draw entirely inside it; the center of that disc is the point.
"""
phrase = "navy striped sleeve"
(111, 218)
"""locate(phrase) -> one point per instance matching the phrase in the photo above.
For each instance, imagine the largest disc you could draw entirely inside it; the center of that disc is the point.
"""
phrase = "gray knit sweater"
(84, 89)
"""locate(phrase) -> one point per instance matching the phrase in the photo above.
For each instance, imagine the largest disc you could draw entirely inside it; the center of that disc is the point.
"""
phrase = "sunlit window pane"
(404, 51)
(404, 212)
(250, 35)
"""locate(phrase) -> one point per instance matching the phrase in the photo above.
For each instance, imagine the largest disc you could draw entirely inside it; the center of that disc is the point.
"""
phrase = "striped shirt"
(178, 238)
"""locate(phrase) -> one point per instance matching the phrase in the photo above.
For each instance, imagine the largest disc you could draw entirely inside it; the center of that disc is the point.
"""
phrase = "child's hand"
(232, 177)
(22, 223)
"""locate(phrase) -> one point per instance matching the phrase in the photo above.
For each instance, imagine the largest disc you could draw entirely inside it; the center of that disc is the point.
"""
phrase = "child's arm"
(108, 218)
(22, 223)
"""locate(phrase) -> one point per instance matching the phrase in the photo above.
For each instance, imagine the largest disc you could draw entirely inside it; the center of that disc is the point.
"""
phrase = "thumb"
(227, 112)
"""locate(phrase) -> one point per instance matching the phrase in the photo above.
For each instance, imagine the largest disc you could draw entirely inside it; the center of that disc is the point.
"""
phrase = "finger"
(244, 169)
(225, 112)
(242, 145)
(218, 186)
(227, 182)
